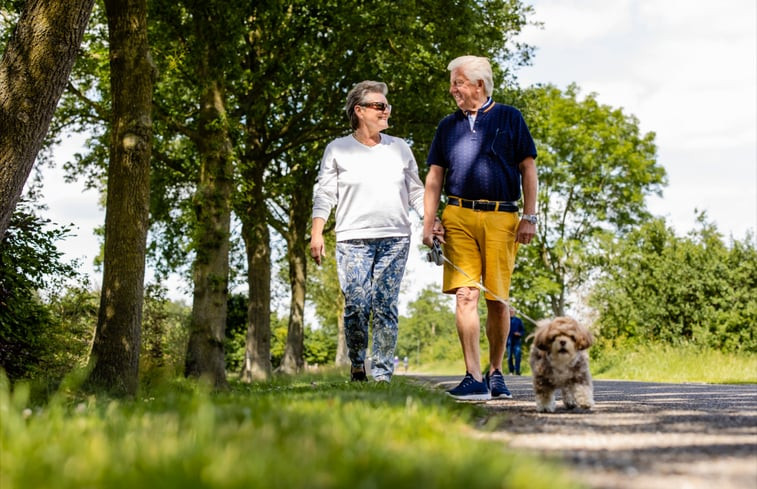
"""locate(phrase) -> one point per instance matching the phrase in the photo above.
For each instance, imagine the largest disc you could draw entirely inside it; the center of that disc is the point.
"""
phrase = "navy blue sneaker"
(470, 390)
(496, 384)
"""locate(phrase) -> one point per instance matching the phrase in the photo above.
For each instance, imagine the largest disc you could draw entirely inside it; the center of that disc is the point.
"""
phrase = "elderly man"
(482, 154)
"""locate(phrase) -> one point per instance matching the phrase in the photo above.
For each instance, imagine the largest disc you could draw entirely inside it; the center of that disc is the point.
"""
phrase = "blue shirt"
(482, 163)
(516, 326)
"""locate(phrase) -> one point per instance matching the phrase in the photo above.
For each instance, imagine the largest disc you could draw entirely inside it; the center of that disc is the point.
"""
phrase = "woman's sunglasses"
(380, 106)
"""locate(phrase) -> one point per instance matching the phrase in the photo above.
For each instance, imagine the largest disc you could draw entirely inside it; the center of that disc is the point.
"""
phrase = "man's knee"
(467, 297)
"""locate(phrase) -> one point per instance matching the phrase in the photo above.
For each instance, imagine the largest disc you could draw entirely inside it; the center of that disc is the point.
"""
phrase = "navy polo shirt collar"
(472, 117)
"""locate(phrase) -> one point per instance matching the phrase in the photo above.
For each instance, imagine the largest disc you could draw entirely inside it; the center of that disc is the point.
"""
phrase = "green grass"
(312, 431)
(667, 363)
(644, 362)
(306, 432)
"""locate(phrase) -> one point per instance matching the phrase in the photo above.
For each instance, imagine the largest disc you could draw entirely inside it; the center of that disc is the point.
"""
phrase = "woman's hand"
(317, 248)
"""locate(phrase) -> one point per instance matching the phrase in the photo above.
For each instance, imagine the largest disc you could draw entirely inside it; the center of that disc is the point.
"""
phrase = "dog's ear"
(585, 339)
(541, 339)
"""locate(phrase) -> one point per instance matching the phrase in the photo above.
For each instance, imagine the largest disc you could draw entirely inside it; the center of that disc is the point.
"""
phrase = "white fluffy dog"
(559, 360)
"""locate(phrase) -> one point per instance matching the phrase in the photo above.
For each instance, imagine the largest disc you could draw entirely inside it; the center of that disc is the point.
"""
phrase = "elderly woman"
(372, 179)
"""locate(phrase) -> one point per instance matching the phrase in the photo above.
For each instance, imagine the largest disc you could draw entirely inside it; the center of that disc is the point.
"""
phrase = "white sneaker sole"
(472, 397)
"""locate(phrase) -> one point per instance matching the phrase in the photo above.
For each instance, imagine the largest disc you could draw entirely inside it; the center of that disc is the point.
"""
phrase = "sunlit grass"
(644, 362)
(667, 363)
(309, 432)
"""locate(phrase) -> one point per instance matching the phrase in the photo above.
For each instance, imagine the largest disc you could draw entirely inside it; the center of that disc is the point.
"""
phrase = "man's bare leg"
(497, 329)
(467, 322)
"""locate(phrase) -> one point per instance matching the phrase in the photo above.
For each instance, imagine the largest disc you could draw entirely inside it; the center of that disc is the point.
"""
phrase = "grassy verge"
(666, 363)
(309, 432)
(645, 362)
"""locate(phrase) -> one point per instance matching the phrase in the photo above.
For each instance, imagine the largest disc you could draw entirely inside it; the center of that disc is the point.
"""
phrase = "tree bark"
(257, 358)
(115, 353)
(205, 353)
(299, 213)
(33, 73)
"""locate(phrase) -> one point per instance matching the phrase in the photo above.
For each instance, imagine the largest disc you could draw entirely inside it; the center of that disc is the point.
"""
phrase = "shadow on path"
(639, 435)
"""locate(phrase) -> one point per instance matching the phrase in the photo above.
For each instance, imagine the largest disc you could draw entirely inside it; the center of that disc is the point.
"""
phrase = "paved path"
(639, 435)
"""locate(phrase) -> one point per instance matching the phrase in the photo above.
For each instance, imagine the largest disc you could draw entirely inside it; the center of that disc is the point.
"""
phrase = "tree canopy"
(655, 285)
(596, 169)
(246, 96)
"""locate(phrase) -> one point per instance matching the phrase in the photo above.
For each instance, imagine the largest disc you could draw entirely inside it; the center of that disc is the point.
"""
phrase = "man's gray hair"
(475, 68)
(357, 96)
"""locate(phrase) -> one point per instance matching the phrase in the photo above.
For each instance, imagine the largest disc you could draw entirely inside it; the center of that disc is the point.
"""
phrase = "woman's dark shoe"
(357, 374)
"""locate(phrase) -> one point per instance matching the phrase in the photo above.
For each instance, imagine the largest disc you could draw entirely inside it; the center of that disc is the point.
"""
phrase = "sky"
(687, 69)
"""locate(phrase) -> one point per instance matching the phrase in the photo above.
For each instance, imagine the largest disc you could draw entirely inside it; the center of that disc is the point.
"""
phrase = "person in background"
(482, 155)
(514, 342)
(372, 180)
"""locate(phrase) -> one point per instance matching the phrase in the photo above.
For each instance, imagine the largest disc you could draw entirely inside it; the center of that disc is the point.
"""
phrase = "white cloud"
(709, 18)
(577, 21)
(688, 71)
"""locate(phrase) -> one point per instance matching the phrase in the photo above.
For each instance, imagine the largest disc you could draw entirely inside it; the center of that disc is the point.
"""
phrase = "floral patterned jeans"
(370, 273)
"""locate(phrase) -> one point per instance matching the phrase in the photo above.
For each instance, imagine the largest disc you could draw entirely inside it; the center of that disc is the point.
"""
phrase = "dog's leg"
(569, 396)
(545, 398)
(584, 396)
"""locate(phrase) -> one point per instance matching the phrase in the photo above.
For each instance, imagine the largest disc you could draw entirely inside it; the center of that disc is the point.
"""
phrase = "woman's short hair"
(475, 68)
(357, 96)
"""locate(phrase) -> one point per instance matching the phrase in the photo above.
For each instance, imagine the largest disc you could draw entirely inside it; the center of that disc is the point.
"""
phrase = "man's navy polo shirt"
(482, 164)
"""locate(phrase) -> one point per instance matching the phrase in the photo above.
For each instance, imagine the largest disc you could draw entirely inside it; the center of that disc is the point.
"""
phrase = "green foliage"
(30, 263)
(323, 288)
(428, 334)
(236, 331)
(165, 334)
(74, 313)
(279, 328)
(312, 431)
(656, 361)
(320, 346)
(10, 10)
(595, 170)
(655, 286)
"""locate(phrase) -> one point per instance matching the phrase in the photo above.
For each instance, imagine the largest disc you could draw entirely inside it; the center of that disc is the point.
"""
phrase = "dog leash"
(437, 256)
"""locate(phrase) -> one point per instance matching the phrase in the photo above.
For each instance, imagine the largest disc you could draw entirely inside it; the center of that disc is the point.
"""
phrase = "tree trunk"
(115, 352)
(33, 73)
(205, 354)
(257, 358)
(299, 214)
(205, 350)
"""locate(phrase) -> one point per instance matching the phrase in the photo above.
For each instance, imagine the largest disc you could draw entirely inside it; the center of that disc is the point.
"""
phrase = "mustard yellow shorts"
(481, 243)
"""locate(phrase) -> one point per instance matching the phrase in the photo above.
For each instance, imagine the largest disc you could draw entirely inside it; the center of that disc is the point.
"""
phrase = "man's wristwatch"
(532, 218)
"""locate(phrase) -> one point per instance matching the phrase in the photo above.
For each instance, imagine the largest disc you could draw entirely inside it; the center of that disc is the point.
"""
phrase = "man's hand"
(436, 232)
(526, 232)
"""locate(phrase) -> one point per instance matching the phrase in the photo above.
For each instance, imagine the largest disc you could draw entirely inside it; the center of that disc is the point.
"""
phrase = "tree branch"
(102, 113)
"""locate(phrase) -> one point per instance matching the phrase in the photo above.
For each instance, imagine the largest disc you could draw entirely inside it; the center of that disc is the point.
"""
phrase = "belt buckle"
(482, 205)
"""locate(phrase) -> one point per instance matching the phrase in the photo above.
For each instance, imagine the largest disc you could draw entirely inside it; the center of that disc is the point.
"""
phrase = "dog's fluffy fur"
(559, 360)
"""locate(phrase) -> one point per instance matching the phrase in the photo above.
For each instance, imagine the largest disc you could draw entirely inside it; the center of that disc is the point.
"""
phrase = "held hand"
(437, 232)
(526, 232)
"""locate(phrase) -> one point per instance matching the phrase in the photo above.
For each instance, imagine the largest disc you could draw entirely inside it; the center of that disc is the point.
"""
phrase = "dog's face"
(562, 337)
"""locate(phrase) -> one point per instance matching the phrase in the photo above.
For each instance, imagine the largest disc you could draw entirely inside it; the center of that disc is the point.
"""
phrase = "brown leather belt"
(484, 205)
